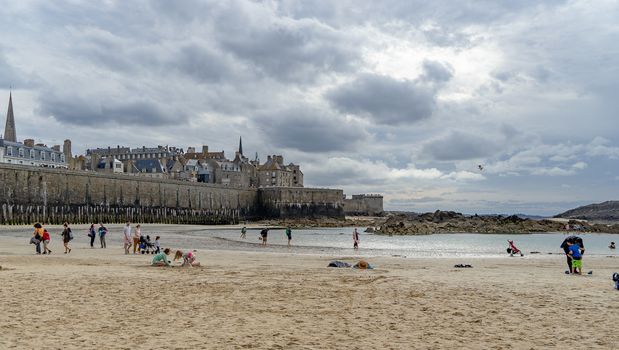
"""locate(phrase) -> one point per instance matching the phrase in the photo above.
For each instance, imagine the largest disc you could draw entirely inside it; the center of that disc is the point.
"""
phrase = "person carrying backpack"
(67, 236)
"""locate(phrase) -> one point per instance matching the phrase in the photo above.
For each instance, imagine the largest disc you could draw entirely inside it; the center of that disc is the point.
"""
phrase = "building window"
(31, 154)
(62, 158)
(42, 155)
(9, 151)
(21, 152)
(53, 157)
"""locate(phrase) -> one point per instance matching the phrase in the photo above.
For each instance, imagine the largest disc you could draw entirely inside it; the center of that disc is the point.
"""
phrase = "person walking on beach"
(46, 239)
(127, 237)
(566, 248)
(102, 233)
(67, 236)
(136, 239)
(37, 236)
(92, 233)
(289, 234)
(355, 239)
(243, 232)
(263, 236)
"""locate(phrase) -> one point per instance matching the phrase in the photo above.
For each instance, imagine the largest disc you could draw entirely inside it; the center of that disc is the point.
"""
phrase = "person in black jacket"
(566, 248)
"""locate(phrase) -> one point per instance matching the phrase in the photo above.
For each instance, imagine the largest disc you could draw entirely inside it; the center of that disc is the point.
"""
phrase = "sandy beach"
(248, 299)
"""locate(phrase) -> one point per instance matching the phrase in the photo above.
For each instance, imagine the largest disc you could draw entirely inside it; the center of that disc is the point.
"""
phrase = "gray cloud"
(284, 48)
(460, 146)
(309, 130)
(107, 111)
(201, 64)
(385, 100)
(438, 72)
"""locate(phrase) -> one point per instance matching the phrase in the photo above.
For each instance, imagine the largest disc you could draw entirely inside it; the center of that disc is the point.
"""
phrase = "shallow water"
(338, 242)
(437, 245)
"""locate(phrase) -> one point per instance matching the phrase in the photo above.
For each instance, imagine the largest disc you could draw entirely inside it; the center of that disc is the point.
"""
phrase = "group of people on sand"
(573, 247)
(41, 235)
(141, 244)
(92, 233)
(131, 237)
(188, 258)
(264, 234)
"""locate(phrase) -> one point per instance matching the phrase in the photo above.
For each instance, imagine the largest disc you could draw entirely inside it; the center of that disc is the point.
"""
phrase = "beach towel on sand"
(336, 263)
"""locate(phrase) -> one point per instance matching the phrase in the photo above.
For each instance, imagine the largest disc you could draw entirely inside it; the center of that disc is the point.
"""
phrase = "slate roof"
(148, 166)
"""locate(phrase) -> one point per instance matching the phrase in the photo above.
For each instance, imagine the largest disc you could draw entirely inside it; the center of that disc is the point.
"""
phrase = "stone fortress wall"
(364, 205)
(52, 196)
(300, 202)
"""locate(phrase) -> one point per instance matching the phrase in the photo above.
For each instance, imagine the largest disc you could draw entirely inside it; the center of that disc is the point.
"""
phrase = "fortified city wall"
(52, 196)
(298, 202)
(364, 205)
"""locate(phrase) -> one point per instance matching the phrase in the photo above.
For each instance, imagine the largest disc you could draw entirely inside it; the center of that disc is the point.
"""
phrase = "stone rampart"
(29, 194)
(52, 196)
(364, 205)
(300, 202)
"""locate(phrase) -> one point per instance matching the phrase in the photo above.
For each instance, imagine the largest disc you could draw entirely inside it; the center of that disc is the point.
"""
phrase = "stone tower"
(66, 149)
(9, 128)
(240, 145)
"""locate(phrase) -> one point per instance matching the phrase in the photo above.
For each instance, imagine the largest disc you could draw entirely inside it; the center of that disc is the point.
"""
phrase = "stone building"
(29, 153)
(110, 165)
(198, 166)
(273, 173)
(129, 156)
(149, 168)
(214, 167)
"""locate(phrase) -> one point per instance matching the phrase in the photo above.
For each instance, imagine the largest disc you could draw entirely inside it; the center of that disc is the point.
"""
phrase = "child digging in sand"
(189, 259)
(161, 259)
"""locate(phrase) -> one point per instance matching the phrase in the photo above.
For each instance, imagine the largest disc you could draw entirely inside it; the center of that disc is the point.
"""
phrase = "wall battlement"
(300, 202)
(30, 194)
(364, 205)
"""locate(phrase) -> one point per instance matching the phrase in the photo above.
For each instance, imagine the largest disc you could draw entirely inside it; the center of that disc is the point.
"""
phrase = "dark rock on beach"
(452, 222)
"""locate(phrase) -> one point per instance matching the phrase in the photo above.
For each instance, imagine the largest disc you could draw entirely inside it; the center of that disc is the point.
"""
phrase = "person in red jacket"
(46, 239)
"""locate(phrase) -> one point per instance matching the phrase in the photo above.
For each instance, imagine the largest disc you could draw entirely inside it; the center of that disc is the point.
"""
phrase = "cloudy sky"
(400, 97)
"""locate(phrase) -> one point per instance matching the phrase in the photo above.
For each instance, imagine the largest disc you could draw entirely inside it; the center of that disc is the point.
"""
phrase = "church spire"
(240, 145)
(9, 128)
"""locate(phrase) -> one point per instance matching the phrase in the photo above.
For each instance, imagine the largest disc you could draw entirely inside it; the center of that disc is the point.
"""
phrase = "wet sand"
(243, 298)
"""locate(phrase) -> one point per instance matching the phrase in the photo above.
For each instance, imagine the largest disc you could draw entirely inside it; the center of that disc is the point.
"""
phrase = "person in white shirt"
(127, 237)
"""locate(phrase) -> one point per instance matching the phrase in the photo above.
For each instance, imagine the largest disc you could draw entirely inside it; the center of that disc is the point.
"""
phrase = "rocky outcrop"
(452, 222)
(606, 211)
